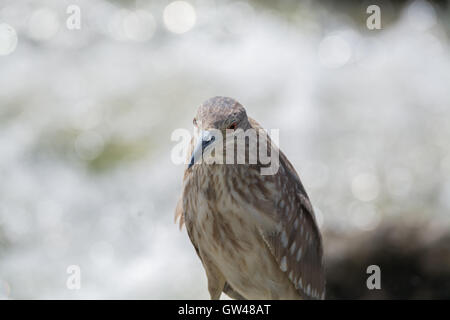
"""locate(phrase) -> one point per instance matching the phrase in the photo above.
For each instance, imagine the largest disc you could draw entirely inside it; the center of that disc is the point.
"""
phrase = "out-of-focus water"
(86, 118)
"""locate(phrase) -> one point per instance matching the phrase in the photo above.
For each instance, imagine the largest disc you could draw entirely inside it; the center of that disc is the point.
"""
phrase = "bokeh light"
(363, 216)
(365, 187)
(179, 16)
(334, 51)
(421, 15)
(43, 24)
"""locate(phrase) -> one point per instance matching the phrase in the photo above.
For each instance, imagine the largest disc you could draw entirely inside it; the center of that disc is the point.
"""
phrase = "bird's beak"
(206, 138)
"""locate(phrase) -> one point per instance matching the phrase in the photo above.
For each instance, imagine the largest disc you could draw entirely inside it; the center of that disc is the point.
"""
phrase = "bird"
(256, 235)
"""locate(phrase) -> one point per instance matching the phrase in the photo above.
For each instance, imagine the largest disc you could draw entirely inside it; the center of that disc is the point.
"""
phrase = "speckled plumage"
(255, 234)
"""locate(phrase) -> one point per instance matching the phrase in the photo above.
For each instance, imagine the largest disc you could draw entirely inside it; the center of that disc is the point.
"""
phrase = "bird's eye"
(232, 126)
(194, 122)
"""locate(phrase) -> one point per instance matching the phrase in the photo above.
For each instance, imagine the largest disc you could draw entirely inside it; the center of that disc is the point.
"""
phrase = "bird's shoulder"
(294, 237)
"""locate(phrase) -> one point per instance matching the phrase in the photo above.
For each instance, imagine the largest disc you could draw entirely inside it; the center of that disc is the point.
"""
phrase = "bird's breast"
(226, 231)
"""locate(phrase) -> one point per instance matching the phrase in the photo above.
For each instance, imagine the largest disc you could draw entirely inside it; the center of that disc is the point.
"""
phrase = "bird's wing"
(233, 294)
(293, 236)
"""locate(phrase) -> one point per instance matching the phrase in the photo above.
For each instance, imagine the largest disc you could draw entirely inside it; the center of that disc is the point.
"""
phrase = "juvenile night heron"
(255, 234)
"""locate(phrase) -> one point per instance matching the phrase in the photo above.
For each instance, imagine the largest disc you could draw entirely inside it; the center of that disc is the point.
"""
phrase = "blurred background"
(86, 117)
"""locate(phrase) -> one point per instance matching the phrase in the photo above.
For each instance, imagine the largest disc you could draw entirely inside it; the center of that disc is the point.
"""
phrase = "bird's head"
(221, 113)
(216, 119)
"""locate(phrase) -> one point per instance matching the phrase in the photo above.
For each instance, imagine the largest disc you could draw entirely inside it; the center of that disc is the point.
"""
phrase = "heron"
(256, 235)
